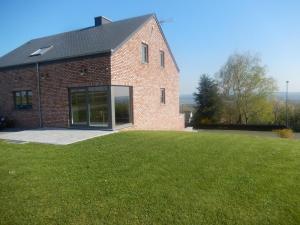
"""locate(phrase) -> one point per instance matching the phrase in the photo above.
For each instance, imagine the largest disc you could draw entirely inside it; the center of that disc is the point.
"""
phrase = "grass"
(152, 178)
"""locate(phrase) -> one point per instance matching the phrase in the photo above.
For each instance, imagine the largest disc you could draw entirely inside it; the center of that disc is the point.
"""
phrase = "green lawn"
(152, 178)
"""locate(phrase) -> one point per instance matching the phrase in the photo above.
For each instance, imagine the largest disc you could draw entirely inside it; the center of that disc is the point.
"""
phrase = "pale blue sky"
(202, 35)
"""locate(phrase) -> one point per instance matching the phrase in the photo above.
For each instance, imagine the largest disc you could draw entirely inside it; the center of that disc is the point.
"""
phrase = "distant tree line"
(241, 93)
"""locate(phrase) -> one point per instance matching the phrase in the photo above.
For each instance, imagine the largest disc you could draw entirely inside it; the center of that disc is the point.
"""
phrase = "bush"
(6, 123)
(205, 121)
(285, 133)
(10, 124)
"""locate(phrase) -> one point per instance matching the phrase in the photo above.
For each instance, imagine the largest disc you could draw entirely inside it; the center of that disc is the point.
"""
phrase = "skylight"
(41, 51)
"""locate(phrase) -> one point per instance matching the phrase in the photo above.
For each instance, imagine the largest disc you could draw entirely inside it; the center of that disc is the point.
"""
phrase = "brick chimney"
(100, 20)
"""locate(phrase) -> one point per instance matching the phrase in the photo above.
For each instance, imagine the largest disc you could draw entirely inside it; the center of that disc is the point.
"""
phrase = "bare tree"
(243, 80)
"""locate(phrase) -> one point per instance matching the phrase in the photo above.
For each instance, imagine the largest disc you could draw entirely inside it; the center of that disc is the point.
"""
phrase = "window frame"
(162, 96)
(111, 104)
(28, 101)
(162, 58)
(114, 95)
(144, 53)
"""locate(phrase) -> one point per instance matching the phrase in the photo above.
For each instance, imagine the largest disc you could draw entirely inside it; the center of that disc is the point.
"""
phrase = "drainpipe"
(39, 94)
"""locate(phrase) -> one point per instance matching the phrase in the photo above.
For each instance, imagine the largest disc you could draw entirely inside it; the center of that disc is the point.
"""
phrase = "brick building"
(109, 76)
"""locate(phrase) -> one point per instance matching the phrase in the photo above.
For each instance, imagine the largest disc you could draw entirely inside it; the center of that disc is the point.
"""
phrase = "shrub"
(6, 123)
(205, 121)
(10, 123)
(285, 133)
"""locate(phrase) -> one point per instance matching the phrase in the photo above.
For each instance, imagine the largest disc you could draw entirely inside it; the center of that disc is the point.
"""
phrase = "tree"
(207, 101)
(243, 81)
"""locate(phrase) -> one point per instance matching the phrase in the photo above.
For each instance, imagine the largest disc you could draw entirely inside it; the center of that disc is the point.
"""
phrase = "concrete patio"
(51, 136)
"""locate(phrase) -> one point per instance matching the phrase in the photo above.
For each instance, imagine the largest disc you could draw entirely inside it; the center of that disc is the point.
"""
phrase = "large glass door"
(78, 107)
(98, 106)
(102, 106)
(89, 106)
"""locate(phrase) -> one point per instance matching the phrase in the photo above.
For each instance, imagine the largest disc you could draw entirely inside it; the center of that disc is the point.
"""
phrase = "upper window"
(145, 53)
(162, 58)
(23, 99)
(41, 51)
(163, 96)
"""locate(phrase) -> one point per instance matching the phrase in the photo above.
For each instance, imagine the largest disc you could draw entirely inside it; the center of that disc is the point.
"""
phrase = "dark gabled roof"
(88, 41)
(82, 42)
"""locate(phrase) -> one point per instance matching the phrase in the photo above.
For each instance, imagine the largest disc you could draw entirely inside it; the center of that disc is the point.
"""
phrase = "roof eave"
(109, 51)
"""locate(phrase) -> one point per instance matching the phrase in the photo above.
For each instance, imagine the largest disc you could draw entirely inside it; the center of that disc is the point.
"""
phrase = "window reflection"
(122, 105)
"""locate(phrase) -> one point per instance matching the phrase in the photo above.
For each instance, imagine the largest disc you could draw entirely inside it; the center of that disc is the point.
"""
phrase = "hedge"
(253, 127)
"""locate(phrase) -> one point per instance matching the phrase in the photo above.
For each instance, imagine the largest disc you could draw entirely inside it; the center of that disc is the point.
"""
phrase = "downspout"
(39, 94)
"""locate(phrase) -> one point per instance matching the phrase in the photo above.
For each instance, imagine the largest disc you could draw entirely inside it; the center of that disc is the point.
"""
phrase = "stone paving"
(51, 136)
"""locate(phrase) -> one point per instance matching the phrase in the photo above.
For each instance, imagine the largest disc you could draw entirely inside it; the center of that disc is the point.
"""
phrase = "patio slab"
(52, 136)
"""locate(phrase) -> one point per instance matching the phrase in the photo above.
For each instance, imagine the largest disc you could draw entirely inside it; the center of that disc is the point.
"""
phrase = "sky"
(202, 34)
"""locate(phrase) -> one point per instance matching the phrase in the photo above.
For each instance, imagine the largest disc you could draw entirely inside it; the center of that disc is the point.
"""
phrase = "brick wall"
(147, 79)
(17, 79)
(124, 67)
(55, 79)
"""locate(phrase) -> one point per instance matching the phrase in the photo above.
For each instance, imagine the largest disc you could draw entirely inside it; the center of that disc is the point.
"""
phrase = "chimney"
(100, 20)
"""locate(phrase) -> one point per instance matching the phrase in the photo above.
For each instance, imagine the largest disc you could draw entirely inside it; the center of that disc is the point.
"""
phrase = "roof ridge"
(80, 42)
(90, 27)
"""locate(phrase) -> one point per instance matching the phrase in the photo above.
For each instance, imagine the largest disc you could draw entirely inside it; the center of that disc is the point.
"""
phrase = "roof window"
(41, 51)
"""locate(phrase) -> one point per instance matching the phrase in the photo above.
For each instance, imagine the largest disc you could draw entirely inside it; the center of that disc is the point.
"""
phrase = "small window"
(145, 53)
(162, 96)
(23, 99)
(162, 58)
(41, 51)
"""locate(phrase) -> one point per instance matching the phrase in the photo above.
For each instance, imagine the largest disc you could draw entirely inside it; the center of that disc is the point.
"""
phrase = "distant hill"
(186, 99)
(293, 97)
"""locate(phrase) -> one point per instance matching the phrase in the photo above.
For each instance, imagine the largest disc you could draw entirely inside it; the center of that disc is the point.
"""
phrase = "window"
(41, 51)
(23, 99)
(89, 106)
(162, 96)
(122, 95)
(101, 106)
(145, 56)
(162, 58)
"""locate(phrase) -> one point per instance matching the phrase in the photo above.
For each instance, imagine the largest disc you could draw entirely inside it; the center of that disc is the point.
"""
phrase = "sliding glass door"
(98, 106)
(89, 106)
(102, 106)
(78, 106)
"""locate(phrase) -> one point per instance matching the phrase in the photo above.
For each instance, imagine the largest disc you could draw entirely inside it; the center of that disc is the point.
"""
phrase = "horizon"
(201, 35)
(293, 97)
(278, 92)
